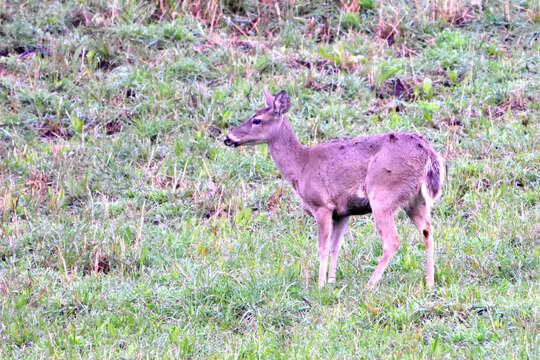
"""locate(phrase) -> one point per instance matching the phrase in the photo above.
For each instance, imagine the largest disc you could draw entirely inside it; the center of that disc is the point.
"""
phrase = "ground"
(128, 230)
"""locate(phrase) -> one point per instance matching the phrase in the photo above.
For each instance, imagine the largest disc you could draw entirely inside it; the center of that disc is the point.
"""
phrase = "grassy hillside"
(128, 230)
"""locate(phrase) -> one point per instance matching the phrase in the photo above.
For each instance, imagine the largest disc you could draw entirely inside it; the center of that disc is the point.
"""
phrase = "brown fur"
(379, 174)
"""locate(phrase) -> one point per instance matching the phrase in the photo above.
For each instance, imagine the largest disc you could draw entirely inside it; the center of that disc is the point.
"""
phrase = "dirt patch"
(513, 104)
(106, 64)
(113, 127)
(246, 45)
(314, 85)
(455, 13)
(383, 108)
(26, 51)
(443, 78)
(38, 183)
(43, 51)
(98, 264)
(411, 88)
(51, 130)
(324, 66)
(102, 265)
(519, 183)
(483, 184)
(274, 201)
(4, 72)
(388, 26)
(396, 88)
(453, 122)
(208, 213)
(79, 17)
(403, 50)
(322, 32)
(214, 132)
(131, 93)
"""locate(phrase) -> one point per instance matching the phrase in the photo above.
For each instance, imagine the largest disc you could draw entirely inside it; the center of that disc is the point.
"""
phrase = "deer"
(378, 174)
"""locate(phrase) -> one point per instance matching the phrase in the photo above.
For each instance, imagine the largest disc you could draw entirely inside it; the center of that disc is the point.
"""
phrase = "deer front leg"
(323, 218)
(339, 227)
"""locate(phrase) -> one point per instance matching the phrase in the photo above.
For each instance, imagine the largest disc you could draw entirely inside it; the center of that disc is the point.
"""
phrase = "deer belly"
(355, 205)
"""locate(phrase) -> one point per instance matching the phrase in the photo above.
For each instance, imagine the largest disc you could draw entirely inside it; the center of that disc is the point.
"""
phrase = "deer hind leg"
(339, 228)
(324, 227)
(419, 213)
(384, 221)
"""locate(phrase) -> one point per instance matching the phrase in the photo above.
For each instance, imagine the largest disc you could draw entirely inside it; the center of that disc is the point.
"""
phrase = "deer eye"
(256, 121)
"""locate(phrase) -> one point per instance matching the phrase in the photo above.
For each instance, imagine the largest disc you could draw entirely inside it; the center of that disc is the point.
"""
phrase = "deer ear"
(282, 102)
(269, 98)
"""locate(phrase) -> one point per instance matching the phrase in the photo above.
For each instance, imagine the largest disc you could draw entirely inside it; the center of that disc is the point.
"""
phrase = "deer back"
(339, 174)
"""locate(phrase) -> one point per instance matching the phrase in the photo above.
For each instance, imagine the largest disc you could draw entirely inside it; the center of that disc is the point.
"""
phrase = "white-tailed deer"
(378, 174)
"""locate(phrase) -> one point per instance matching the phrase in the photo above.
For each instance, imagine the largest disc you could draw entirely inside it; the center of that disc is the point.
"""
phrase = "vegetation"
(129, 231)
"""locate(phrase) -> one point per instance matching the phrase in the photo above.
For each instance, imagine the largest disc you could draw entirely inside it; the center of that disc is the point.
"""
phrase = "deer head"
(264, 125)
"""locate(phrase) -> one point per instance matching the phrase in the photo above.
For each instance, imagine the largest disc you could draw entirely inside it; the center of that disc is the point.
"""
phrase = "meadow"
(129, 231)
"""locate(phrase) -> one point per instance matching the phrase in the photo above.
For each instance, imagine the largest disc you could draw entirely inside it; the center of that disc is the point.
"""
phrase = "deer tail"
(436, 171)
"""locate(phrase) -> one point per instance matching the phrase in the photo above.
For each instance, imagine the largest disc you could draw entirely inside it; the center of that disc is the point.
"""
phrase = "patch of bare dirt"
(319, 65)
(316, 86)
(113, 127)
(50, 129)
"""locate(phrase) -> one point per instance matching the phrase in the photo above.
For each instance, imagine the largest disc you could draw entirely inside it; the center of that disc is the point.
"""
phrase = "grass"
(129, 231)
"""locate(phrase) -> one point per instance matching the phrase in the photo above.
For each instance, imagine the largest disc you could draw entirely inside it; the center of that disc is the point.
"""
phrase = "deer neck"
(289, 155)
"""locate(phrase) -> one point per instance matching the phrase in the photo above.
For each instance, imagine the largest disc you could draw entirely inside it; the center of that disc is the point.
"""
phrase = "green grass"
(128, 230)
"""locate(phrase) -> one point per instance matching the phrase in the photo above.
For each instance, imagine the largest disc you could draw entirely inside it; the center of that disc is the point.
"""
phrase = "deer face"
(264, 125)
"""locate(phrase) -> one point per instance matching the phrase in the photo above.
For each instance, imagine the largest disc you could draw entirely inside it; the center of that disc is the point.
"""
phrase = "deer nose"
(229, 142)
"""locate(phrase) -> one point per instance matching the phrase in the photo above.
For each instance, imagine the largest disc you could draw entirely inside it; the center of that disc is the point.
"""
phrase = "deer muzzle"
(229, 142)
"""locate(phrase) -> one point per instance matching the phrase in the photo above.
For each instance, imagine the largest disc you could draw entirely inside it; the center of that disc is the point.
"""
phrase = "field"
(129, 231)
